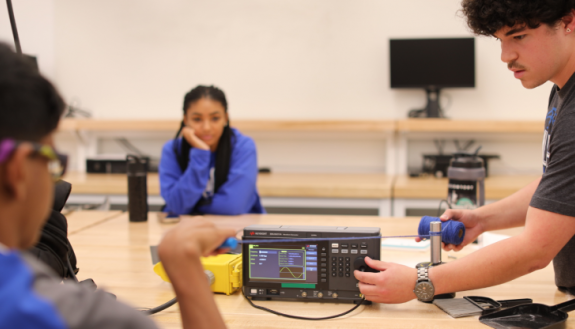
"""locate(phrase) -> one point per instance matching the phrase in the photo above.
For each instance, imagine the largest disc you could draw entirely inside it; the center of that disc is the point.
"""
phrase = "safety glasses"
(57, 162)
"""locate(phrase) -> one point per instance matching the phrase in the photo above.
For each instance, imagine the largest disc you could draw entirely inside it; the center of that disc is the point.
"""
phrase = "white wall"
(519, 153)
(275, 59)
(291, 152)
(35, 24)
(298, 59)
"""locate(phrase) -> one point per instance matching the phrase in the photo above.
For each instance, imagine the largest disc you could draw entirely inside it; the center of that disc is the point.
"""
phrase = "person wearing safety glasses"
(31, 295)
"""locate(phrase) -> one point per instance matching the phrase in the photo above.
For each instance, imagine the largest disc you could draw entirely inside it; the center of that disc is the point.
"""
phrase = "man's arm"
(544, 235)
(506, 213)
(196, 301)
(180, 252)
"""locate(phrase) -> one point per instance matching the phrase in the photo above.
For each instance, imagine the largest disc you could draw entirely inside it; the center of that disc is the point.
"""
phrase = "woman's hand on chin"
(190, 136)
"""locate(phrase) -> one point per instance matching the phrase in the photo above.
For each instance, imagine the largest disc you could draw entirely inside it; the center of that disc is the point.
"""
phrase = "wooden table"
(327, 185)
(330, 185)
(81, 220)
(496, 187)
(108, 184)
(405, 125)
(70, 124)
(469, 126)
(115, 253)
(423, 192)
(327, 190)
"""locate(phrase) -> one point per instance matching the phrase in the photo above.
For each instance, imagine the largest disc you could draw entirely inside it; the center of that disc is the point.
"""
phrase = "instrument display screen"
(283, 263)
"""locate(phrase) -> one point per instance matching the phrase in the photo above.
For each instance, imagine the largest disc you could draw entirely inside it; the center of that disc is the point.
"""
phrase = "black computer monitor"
(432, 64)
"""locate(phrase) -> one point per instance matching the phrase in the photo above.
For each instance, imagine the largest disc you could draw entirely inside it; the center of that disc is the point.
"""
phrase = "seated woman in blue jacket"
(212, 168)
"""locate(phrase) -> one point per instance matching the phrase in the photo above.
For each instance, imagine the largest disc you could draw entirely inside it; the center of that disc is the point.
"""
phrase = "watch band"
(424, 290)
(422, 274)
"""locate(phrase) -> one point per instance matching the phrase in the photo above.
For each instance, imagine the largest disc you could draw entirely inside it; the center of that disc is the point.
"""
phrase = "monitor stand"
(432, 108)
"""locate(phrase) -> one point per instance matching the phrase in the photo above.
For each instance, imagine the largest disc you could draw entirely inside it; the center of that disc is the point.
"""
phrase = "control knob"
(360, 265)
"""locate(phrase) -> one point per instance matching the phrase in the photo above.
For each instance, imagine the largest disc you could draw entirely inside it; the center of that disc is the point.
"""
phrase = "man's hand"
(190, 135)
(394, 284)
(180, 252)
(190, 239)
(470, 220)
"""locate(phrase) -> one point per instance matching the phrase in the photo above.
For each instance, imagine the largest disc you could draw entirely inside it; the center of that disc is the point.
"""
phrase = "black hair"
(30, 106)
(224, 150)
(486, 17)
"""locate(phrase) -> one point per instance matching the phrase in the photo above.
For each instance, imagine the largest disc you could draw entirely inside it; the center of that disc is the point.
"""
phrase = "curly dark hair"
(485, 17)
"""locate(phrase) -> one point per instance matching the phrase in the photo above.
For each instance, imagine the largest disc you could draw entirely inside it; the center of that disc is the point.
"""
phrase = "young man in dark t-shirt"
(538, 45)
(556, 191)
(31, 296)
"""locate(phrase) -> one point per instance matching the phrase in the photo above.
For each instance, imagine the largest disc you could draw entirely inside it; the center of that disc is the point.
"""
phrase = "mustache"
(514, 65)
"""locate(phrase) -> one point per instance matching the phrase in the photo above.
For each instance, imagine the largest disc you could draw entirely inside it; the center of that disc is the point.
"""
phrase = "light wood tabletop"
(496, 187)
(69, 124)
(406, 125)
(115, 253)
(83, 183)
(81, 220)
(469, 126)
(368, 186)
(325, 185)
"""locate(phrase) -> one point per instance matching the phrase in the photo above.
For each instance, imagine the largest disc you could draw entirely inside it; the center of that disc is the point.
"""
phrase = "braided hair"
(224, 150)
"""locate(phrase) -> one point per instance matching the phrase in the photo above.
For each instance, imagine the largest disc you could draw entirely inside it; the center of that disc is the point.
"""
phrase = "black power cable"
(439, 208)
(302, 317)
(13, 25)
(174, 301)
(71, 270)
(161, 307)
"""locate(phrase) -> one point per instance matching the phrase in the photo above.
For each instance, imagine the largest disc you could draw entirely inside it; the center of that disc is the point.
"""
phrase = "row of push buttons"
(344, 248)
(337, 266)
(323, 265)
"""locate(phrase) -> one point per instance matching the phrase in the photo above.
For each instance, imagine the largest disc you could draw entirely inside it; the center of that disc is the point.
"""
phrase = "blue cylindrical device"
(453, 231)
(231, 243)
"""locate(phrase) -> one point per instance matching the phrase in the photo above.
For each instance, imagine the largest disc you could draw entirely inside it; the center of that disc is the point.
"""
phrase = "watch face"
(424, 264)
(424, 291)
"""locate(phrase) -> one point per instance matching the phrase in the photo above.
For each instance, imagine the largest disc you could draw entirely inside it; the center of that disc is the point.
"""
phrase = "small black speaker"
(137, 188)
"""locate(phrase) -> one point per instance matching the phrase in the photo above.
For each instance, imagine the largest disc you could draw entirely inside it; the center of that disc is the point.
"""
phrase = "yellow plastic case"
(227, 270)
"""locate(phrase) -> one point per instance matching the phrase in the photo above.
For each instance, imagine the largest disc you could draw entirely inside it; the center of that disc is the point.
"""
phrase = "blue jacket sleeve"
(182, 191)
(238, 194)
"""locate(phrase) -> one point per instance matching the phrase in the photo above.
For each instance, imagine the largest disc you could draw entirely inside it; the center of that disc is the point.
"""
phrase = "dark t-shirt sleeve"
(556, 192)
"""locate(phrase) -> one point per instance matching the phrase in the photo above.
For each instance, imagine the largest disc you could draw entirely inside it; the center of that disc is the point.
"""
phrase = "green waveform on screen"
(287, 268)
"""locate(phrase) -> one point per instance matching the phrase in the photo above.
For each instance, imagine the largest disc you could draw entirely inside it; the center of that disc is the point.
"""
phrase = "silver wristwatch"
(424, 290)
